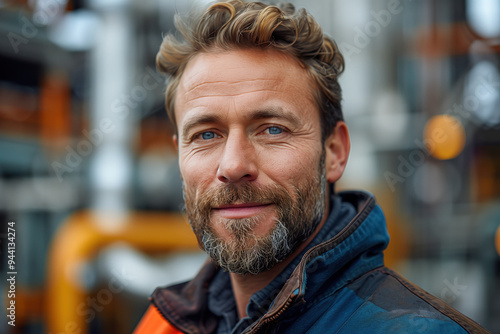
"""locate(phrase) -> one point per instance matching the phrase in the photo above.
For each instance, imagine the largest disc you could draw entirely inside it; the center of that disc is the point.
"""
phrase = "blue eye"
(274, 130)
(208, 135)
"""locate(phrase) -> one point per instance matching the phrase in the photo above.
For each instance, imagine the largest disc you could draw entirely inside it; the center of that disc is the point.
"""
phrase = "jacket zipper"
(274, 316)
(302, 265)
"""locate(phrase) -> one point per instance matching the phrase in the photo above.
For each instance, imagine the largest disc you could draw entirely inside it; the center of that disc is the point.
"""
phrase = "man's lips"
(237, 211)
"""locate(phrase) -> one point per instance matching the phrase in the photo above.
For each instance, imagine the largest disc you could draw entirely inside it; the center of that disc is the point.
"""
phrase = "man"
(254, 98)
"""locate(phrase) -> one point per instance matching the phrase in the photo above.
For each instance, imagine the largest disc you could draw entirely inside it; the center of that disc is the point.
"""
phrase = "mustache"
(226, 194)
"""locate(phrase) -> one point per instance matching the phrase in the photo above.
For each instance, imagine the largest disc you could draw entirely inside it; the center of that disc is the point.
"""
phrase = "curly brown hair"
(238, 24)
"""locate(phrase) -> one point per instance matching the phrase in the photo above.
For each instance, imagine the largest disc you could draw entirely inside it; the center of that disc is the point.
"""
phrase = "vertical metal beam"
(112, 110)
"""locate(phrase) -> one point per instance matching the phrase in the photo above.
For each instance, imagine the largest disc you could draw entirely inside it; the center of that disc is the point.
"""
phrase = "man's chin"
(240, 242)
(249, 254)
(244, 230)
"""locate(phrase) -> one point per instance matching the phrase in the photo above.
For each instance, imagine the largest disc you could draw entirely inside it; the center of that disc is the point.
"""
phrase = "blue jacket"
(339, 286)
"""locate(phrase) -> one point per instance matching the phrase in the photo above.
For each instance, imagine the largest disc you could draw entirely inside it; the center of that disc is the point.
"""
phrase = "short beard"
(247, 253)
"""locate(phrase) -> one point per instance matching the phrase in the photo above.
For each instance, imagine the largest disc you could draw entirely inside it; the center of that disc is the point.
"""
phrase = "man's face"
(250, 155)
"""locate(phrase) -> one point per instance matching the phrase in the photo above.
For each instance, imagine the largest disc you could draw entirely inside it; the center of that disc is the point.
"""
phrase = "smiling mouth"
(238, 211)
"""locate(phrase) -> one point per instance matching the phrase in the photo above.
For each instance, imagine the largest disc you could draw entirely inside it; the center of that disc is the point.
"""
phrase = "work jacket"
(339, 286)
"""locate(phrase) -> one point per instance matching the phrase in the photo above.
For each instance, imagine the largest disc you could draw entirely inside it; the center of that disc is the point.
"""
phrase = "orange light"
(444, 136)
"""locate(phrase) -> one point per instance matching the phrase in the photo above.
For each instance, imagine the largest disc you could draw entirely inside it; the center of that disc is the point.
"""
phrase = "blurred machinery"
(83, 133)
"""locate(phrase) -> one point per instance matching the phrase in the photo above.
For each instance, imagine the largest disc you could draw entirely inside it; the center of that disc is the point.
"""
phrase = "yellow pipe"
(82, 236)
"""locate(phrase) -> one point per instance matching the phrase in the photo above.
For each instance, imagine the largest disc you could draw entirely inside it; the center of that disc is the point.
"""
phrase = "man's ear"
(176, 144)
(337, 147)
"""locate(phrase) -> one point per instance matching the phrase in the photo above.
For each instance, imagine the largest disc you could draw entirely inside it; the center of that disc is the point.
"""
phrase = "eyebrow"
(273, 112)
(198, 120)
(276, 112)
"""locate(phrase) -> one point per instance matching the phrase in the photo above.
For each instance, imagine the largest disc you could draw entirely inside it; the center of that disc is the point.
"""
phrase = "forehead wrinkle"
(232, 95)
(225, 82)
(201, 88)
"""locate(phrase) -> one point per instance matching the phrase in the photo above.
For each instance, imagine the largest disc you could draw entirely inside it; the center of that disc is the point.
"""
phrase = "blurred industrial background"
(89, 175)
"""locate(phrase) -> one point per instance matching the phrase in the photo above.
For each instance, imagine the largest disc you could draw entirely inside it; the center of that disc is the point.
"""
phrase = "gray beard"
(247, 253)
(263, 255)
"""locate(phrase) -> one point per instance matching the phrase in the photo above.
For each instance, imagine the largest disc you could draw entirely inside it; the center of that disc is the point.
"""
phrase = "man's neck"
(244, 286)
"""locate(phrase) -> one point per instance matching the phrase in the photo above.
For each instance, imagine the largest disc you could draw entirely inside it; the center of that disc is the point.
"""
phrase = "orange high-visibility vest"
(153, 322)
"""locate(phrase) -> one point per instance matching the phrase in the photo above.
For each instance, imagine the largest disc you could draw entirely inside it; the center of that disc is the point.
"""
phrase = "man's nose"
(237, 163)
